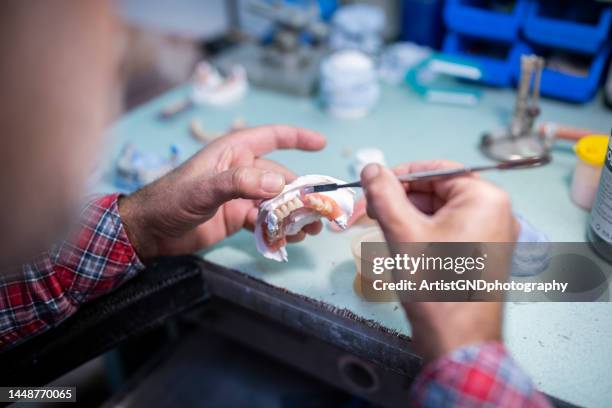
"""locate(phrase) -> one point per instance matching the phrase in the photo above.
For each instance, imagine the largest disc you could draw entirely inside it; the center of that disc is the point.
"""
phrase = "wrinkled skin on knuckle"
(225, 159)
(240, 176)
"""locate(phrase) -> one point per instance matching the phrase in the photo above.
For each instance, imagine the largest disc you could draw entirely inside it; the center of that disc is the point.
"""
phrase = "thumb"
(387, 203)
(241, 182)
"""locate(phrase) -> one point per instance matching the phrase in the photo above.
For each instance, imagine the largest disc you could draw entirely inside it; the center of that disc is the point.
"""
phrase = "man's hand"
(214, 194)
(461, 209)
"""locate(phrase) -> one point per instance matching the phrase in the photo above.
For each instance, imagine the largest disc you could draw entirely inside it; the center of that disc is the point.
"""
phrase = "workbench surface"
(565, 347)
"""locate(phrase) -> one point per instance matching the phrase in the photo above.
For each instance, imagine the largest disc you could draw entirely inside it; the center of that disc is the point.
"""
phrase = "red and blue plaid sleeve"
(482, 375)
(47, 291)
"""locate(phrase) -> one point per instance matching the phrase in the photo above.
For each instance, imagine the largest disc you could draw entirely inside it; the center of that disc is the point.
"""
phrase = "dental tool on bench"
(444, 173)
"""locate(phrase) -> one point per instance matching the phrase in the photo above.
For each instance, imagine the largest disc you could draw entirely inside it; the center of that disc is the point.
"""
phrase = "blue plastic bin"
(422, 22)
(480, 19)
(497, 70)
(580, 26)
(567, 86)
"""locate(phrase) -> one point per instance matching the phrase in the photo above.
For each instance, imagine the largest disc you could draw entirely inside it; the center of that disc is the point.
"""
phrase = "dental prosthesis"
(287, 213)
(210, 87)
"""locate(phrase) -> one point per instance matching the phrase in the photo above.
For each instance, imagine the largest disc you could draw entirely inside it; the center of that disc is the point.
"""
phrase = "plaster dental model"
(134, 169)
(196, 128)
(209, 87)
(294, 208)
(199, 133)
(212, 88)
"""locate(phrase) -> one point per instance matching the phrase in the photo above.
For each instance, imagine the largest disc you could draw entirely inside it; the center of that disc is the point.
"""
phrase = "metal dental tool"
(443, 173)
(520, 140)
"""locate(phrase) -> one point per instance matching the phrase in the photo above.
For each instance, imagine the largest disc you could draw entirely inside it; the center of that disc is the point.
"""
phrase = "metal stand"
(286, 63)
(520, 141)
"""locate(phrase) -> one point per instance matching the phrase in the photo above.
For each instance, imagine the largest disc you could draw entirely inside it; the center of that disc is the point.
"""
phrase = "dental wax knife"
(444, 173)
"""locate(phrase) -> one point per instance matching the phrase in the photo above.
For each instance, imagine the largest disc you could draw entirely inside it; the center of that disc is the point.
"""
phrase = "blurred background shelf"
(581, 26)
(495, 20)
(571, 77)
(496, 60)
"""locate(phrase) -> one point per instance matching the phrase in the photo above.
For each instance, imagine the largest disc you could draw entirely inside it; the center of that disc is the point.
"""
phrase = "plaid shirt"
(480, 375)
(51, 288)
(101, 258)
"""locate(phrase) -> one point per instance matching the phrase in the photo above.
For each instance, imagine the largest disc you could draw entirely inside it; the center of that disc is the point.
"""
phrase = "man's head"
(56, 77)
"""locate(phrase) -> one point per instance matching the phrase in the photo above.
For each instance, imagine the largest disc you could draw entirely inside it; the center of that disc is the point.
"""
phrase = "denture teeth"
(316, 203)
(284, 209)
(279, 214)
(290, 206)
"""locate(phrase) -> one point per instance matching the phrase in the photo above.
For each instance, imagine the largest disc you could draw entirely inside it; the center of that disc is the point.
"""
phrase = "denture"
(287, 213)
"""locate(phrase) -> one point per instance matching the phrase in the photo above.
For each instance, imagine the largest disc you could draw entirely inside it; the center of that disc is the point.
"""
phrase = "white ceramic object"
(365, 156)
(358, 27)
(349, 84)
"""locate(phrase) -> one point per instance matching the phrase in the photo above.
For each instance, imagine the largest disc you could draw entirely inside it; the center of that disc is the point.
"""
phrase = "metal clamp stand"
(520, 141)
(286, 63)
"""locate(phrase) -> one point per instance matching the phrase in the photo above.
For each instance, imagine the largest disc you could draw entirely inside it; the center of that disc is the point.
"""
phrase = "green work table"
(565, 347)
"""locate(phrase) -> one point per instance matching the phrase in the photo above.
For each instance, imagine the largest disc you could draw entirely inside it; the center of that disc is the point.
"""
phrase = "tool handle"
(353, 184)
(528, 162)
(434, 174)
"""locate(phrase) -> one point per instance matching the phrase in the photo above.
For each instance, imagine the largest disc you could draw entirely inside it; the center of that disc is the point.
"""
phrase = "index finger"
(265, 139)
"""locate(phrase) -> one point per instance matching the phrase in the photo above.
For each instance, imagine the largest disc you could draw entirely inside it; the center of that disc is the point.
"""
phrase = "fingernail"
(272, 182)
(370, 171)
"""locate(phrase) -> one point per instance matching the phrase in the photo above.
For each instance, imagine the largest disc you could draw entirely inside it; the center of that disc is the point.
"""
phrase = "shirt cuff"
(474, 375)
(101, 257)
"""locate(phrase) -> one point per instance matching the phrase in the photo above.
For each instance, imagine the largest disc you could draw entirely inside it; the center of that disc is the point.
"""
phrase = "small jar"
(349, 84)
(371, 234)
(591, 153)
(365, 235)
(365, 156)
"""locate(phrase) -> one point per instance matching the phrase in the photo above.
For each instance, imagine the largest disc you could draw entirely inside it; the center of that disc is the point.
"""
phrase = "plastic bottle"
(600, 225)
(591, 155)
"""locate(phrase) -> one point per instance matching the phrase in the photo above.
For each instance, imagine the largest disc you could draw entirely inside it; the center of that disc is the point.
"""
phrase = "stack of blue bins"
(495, 33)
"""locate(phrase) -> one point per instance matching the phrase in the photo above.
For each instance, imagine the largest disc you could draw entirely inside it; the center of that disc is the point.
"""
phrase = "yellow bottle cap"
(592, 149)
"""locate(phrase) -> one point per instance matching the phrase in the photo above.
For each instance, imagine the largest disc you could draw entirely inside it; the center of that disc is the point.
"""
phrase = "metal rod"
(446, 173)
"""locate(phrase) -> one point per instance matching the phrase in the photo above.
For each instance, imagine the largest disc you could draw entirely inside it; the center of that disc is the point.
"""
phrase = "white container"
(365, 156)
(349, 84)
(590, 153)
(358, 27)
